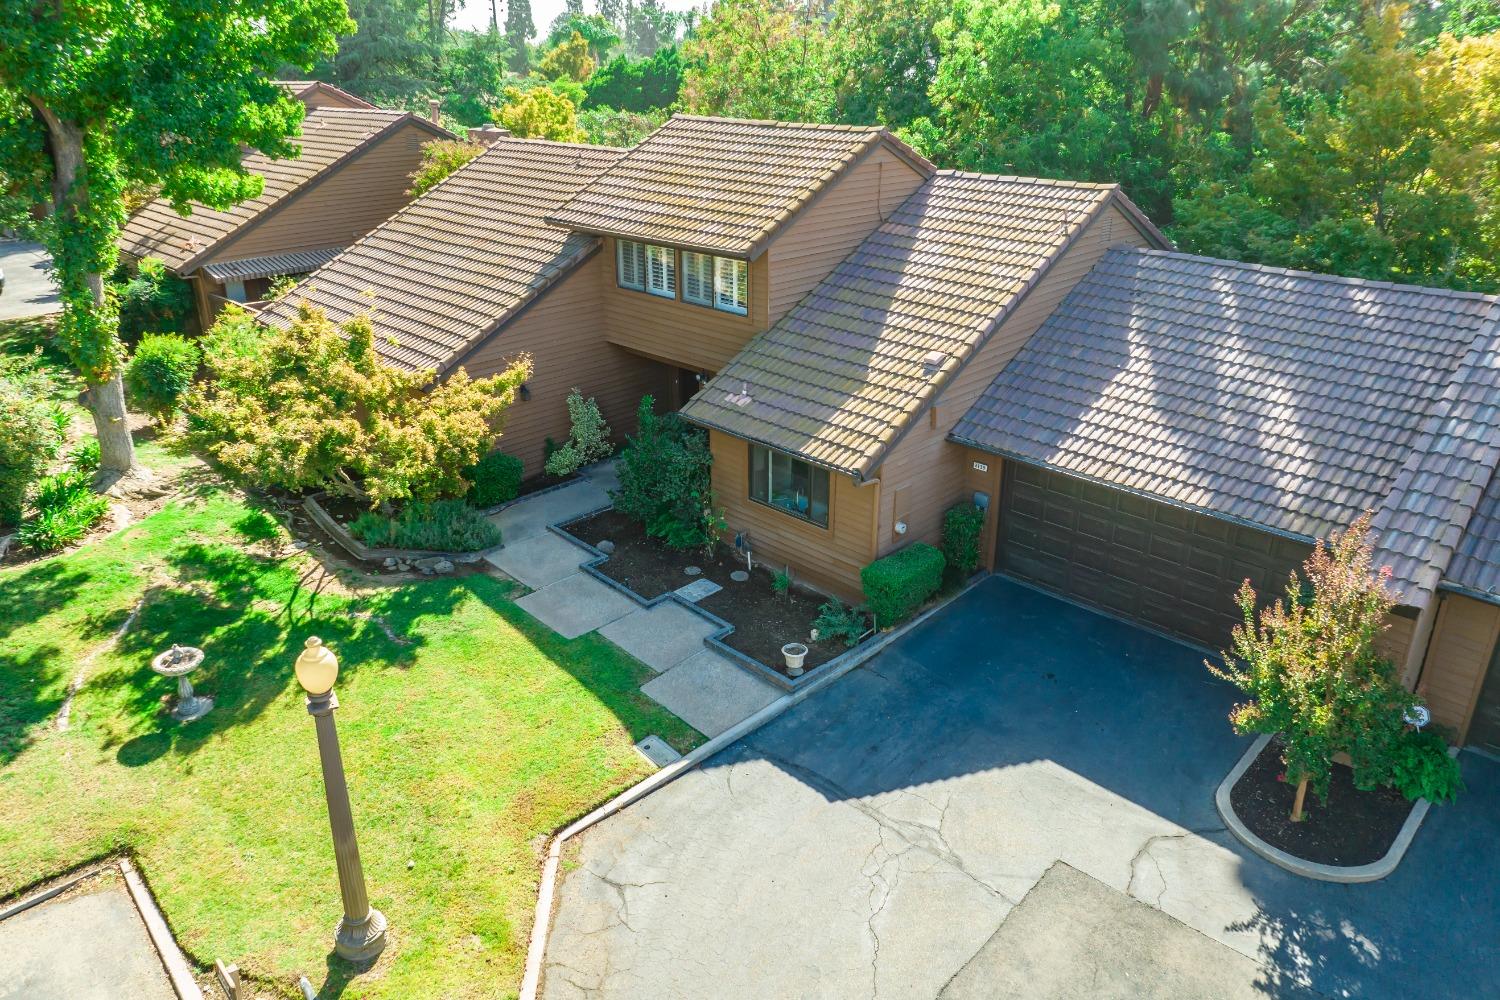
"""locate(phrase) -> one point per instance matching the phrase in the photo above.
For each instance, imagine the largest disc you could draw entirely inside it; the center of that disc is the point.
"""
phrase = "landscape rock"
(606, 546)
(434, 564)
(391, 562)
(693, 570)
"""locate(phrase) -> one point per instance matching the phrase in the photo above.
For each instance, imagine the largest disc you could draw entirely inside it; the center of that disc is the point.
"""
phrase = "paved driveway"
(880, 839)
(29, 290)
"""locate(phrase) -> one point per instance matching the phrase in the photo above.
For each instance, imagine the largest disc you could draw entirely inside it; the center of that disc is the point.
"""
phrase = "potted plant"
(794, 653)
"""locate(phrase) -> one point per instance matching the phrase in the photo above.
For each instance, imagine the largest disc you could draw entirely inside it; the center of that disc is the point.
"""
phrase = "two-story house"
(869, 341)
(353, 172)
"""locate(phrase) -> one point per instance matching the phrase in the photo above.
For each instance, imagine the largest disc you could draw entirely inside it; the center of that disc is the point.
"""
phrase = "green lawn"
(465, 747)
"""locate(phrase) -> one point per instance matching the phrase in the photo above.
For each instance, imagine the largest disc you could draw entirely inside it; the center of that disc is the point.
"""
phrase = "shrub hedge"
(496, 479)
(443, 525)
(896, 585)
(962, 525)
(160, 372)
(154, 299)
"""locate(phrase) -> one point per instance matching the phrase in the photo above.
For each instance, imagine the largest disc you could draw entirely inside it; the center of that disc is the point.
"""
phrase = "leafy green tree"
(610, 127)
(154, 301)
(439, 159)
(518, 31)
(539, 113)
(1309, 665)
(388, 58)
(648, 27)
(666, 482)
(313, 406)
(884, 56)
(31, 432)
(761, 59)
(569, 60)
(473, 74)
(636, 84)
(96, 96)
(602, 36)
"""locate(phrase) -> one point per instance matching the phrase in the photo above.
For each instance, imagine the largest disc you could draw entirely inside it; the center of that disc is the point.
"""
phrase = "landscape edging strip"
(541, 925)
(183, 983)
(1344, 874)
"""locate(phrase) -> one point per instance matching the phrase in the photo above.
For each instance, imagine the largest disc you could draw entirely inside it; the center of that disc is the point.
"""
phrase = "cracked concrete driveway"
(875, 840)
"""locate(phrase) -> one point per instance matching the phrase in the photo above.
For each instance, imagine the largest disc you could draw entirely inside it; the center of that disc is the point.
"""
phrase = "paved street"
(28, 289)
(881, 838)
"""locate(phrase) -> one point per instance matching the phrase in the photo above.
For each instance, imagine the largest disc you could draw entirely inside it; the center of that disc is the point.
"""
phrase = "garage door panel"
(1170, 569)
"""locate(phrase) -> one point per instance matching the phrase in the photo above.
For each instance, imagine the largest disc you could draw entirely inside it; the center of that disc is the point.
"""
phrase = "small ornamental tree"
(666, 482)
(313, 406)
(440, 158)
(1310, 667)
(588, 442)
(539, 113)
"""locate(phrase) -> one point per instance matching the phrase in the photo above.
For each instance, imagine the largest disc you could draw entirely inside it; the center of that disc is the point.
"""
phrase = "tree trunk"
(105, 400)
(1297, 802)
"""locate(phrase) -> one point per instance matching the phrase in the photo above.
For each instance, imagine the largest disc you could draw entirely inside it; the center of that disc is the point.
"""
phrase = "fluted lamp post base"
(360, 941)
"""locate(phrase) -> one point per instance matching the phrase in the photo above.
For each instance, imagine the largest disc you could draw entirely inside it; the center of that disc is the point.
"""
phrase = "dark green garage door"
(1164, 567)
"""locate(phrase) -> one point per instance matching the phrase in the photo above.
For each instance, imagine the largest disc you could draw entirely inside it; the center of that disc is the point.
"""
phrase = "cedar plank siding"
(317, 97)
(827, 558)
(1462, 643)
(676, 332)
(929, 473)
(562, 333)
(352, 200)
(829, 229)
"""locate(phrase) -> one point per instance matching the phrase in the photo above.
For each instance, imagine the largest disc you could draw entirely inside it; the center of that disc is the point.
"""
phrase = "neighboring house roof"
(330, 137)
(302, 89)
(246, 268)
(1286, 400)
(457, 262)
(839, 378)
(721, 185)
(1475, 568)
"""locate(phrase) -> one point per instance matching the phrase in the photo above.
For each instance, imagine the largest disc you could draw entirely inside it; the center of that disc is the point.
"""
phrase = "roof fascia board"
(1141, 221)
(1469, 592)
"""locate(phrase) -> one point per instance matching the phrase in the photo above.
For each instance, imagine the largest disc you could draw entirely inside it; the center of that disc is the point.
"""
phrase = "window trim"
(669, 287)
(718, 302)
(825, 525)
(639, 251)
(708, 301)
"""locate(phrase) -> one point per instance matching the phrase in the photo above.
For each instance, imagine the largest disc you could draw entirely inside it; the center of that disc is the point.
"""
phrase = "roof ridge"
(1316, 275)
(531, 141)
(1025, 179)
(778, 123)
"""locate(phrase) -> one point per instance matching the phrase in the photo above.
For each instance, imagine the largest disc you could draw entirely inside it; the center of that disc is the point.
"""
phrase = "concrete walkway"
(705, 690)
(29, 289)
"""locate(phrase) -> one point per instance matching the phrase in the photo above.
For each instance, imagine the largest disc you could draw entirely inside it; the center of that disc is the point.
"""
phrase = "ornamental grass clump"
(442, 526)
(1311, 669)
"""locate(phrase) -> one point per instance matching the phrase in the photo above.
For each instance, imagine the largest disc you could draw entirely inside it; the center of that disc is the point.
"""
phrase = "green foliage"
(608, 127)
(588, 442)
(638, 85)
(1419, 767)
(85, 455)
(569, 60)
(760, 59)
(665, 481)
(835, 621)
(160, 372)
(781, 582)
(440, 158)
(496, 479)
(897, 585)
(1310, 667)
(600, 34)
(539, 113)
(519, 27)
(154, 300)
(31, 432)
(64, 508)
(442, 526)
(313, 406)
(962, 525)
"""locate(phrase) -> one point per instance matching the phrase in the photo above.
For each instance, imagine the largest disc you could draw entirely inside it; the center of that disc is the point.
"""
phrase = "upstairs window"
(789, 484)
(630, 260)
(661, 271)
(718, 282)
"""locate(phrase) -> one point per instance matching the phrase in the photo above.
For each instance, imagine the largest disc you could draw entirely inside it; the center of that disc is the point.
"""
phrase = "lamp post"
(361, 932)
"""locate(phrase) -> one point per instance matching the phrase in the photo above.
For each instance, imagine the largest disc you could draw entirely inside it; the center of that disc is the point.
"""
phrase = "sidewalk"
(705, 690)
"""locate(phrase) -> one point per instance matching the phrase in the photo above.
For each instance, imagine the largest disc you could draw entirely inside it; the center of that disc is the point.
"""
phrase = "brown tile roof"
(1476, 564)
(721, 185)
(1286, 400)
(301, 88)
(460, 260)
(839, 378)
(329, 137)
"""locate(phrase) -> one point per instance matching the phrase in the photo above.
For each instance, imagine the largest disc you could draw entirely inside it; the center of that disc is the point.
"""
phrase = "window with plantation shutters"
(731, 285)
(697, 278)
(630, 260)
(661, 271)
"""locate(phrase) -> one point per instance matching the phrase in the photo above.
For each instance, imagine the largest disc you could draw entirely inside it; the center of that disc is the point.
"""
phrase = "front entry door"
(1484, 730)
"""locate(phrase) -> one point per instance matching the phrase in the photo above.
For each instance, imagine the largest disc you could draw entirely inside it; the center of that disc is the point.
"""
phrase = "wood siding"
(1463, 641)
(345, 205)
(830, 228)
(929, 473)
(679, 333)
(562, 333)
(827, 558)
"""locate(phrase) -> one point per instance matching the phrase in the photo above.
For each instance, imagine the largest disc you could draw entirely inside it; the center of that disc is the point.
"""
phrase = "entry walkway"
(696, 684)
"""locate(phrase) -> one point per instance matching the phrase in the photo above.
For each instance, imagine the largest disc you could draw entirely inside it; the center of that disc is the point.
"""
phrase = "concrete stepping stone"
(539, 560)
(660, 637)
(698, 590)
(576, 604)
(710, 693)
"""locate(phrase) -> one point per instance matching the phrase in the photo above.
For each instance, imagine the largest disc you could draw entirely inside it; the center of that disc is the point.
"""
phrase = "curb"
(1345, 874)
(541, 926)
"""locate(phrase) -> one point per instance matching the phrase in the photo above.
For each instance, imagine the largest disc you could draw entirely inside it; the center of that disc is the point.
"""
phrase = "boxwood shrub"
(896, 585)
(160, 372)
(962, 525)
(496, 478)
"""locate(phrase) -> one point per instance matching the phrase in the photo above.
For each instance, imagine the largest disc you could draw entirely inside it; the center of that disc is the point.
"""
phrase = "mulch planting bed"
(763, 620)
(1351, 828)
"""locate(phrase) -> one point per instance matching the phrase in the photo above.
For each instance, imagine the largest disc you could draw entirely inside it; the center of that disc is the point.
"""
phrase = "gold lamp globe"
(317, 667)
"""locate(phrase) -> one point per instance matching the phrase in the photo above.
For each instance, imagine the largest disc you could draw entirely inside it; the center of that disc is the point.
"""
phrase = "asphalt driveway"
(29, 289)
(890, 837)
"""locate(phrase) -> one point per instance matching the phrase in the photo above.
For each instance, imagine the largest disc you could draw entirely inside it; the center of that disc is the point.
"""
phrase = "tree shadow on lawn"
(250, 615)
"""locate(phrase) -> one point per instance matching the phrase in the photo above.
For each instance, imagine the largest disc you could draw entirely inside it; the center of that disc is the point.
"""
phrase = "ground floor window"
(790, 484)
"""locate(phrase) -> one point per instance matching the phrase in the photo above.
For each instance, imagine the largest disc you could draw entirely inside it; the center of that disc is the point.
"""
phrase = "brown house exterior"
(869, 341)
(353, 173)
(317, 94)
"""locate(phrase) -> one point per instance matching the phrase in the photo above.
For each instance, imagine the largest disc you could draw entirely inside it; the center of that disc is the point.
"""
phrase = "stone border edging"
(365, 553)
(714, 640)
(537, 948)
(1346, 874)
